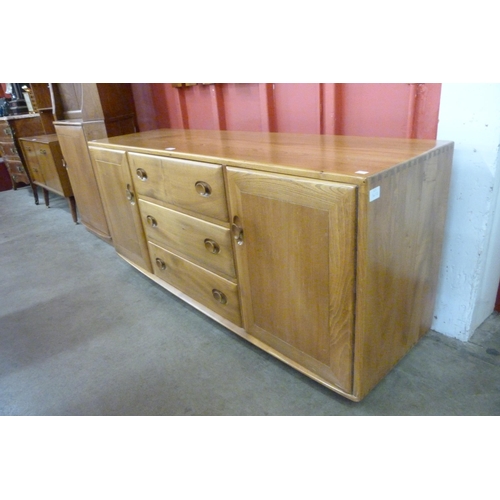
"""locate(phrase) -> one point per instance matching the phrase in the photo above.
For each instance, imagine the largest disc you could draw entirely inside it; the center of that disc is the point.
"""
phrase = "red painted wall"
(366, 109)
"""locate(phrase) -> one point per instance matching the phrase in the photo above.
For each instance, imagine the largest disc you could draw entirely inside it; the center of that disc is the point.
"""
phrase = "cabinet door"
(294, 244)
(48, 167)
(120, 205)
(81, 175)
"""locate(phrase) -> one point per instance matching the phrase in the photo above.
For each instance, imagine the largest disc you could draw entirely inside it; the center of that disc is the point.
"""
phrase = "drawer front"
(193, 186)
(207, 244)
(209, 289)
(31, 158)
(5, 130)
(16, 171)
(8, 148)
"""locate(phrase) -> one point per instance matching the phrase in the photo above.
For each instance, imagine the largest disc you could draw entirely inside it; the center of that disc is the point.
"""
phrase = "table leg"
(72, 207)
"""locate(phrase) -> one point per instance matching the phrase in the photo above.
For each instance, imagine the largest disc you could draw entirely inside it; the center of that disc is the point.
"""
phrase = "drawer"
(14, 166)
(207, 244)
(8, 148)
(193, 186)
(16, 171)
(5, 130)
(209, 289)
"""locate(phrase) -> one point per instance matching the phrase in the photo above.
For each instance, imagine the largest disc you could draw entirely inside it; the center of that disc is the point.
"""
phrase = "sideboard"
(324, 251)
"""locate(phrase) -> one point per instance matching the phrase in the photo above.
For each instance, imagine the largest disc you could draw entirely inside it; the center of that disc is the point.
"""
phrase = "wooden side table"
(46, 167)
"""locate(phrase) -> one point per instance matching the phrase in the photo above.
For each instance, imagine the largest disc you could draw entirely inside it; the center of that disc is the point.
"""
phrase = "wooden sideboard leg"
(72, 207)
(46, 197)
(35, 194)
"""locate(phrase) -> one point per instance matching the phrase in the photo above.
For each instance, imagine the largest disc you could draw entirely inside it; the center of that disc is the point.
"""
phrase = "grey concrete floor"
(83, 333)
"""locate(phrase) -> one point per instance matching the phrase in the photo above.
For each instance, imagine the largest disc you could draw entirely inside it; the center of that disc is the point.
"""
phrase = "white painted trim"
(470, 116)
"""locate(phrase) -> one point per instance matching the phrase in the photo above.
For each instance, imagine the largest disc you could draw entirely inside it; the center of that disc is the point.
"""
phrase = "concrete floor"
(83, 333)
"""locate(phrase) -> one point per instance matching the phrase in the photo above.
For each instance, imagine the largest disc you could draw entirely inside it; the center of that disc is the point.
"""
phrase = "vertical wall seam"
(218, 108)
(412, 110)
(183, 107)
(267, 107)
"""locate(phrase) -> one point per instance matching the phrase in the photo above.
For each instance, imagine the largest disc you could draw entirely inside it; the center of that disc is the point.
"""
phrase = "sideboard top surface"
(322, 156)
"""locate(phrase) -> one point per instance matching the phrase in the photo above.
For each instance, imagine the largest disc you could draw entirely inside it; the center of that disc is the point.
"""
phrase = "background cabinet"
(88, 111)
(12, 128)
(45, 164)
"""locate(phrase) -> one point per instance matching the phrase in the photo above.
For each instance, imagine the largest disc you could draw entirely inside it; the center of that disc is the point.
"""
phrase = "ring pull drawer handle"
(161, 264)
(203, 189)
(212, 246)
(219, 296)
(151, 221)
(141, 173)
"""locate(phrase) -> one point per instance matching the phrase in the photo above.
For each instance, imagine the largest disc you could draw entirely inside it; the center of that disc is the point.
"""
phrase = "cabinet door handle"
(64, 163)
(130, 195)
(237, 230)
(160, 264)
(219, 296)
(151, 221)
(141, 173)
(211, 246)
(203, 189)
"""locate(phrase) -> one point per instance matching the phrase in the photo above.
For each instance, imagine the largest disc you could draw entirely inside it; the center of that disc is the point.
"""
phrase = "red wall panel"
(298, 107)
(367, 109)
(242, 106)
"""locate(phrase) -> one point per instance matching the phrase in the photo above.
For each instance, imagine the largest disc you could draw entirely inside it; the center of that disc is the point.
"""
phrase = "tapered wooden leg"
(35, 193)
(72, 207)
(46, 197)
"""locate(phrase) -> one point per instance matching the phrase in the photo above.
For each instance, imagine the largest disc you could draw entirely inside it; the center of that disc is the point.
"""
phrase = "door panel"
(75, 151)
(295, 260)
(120, 205)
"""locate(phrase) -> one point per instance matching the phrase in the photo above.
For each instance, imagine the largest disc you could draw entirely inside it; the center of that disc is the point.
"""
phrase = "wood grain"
(115, 185)
(320, 156)
(399, 255)
(296, 267)
(186, 235)
(73, 137)
(173, 182)
(196, 282)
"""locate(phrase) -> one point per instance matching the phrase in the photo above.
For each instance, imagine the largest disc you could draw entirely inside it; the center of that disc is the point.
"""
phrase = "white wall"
(470, 116)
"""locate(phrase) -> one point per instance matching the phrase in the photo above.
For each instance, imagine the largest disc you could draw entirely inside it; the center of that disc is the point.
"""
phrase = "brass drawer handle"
(130, 195)
(203, 189)
(151, 221)
(212, 246)
(141, 173)
(161, 264)
(43, 151)
(8, 131)
(219, 296)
